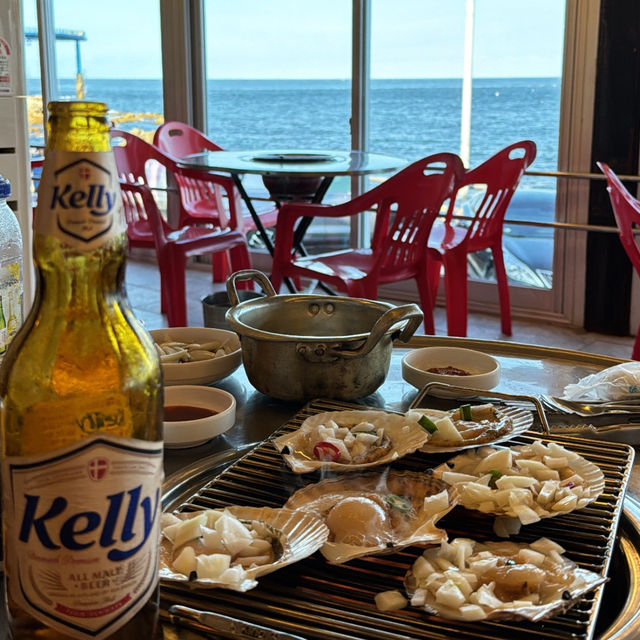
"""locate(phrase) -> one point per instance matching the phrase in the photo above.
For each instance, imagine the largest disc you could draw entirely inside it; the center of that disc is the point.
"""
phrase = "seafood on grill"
(526, 482)
(233, 546)
(349, 440)
(468, 580)
(470, 425)
(375, 512)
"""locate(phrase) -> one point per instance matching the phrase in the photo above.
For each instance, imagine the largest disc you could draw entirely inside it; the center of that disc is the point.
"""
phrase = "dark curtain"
(615, 141)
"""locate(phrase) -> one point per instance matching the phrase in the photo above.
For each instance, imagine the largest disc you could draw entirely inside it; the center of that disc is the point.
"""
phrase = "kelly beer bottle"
(81, 394)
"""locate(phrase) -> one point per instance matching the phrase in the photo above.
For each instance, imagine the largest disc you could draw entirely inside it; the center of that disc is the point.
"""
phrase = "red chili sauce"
(449, 371)
(181, 413)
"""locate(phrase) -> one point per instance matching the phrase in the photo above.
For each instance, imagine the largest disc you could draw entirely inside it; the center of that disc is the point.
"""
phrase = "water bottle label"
(82, 533)
(11, 301)
(79, 199)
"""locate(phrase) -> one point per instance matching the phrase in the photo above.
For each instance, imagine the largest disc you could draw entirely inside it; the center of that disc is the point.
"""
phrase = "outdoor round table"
(292, 174)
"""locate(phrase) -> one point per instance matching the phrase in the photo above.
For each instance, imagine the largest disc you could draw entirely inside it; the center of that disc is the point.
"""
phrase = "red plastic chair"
(133, 156)
(406, 206)
(173, 247)
(626, 210)
(179, 140)
(450, 245)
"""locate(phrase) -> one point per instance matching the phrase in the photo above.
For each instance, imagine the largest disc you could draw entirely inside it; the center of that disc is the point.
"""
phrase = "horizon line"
(72, 79)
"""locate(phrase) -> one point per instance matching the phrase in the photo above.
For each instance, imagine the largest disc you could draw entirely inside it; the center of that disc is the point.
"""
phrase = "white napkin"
(619, 382)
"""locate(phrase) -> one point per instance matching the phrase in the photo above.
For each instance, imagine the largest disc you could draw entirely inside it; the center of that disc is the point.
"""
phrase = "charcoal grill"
(315, 599)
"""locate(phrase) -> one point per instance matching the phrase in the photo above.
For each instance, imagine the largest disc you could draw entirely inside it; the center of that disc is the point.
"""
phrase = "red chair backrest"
(132, 155)
(626, 210)
(406, 206)
(141, 212)
(181, 140)
(500, 175)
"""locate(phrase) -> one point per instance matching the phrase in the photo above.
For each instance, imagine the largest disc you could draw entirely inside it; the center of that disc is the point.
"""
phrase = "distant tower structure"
(75, 36)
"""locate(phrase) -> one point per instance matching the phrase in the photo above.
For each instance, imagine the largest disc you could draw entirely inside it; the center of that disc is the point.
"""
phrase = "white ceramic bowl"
(203, 371)
(483, 369)
(189, 433)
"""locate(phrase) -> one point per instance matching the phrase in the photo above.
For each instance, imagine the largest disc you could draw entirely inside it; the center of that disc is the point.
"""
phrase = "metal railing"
(566, 226)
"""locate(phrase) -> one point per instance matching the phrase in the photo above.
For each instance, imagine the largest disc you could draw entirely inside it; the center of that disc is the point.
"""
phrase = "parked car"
(527, 250)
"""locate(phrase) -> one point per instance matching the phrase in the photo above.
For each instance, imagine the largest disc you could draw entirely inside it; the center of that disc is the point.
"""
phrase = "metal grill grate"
(318, 600)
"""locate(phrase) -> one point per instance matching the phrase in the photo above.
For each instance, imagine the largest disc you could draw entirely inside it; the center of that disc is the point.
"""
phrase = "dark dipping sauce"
(181, 413)
(449, 371)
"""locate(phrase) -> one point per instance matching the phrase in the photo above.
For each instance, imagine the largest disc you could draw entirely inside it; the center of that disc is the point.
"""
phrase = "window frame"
(184, 92)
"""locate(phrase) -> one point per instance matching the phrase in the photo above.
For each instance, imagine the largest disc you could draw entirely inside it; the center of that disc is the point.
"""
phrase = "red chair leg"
(455, 281)
(220, 266)
(427, 302)
(239, 259)
(503, 290)
(163, 297)
(635, 354)
(176, 293)
(434, 269)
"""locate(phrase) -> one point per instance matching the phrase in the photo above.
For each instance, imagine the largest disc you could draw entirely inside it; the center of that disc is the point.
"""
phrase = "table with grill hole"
(316, 599)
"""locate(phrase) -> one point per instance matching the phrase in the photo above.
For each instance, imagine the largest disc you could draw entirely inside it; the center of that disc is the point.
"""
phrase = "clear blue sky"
(312, 38)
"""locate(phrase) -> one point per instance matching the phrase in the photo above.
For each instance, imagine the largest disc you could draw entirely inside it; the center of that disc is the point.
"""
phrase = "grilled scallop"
(232, 547)
(349, 440)
(468, 580)
(523, 483)
(375, 513)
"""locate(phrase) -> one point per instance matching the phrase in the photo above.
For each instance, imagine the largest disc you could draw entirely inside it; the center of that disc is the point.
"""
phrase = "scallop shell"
(419, 528)
(586, 486)
(295, 535)
(564, 582)
(406, 437)
(521, 420)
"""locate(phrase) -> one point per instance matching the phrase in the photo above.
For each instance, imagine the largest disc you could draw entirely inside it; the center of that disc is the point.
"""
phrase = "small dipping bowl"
(201, 371)
(483, 369)
(190, 401)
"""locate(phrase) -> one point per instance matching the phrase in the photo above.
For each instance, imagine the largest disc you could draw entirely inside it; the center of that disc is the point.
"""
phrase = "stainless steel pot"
(297, 347)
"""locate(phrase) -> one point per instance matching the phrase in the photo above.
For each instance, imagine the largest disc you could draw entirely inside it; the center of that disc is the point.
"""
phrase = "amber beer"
(81, 399)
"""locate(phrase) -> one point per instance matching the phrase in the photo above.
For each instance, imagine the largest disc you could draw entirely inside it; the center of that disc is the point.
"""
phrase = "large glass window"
(111, 54)
(417, 68)
(278, 77)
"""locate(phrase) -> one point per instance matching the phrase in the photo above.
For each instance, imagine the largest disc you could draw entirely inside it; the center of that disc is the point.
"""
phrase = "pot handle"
(407, 312)
(248, 274)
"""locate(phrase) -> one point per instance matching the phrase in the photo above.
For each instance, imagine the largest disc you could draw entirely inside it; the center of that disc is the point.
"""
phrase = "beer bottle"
(81, 395)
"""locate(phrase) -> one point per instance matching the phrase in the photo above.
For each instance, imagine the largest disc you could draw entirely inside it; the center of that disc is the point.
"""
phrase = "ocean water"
(409, 118)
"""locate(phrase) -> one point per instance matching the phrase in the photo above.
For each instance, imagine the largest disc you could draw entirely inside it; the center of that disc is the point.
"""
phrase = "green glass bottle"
(82, 394)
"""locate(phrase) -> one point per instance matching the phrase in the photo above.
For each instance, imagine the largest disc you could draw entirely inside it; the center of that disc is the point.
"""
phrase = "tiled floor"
(143, 286)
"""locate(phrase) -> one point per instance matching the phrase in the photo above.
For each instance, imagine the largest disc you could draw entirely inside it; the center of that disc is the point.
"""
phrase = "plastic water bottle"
(10, 269)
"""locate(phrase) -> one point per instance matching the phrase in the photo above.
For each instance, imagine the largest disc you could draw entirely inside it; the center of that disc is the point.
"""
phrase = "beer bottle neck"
(78, 126)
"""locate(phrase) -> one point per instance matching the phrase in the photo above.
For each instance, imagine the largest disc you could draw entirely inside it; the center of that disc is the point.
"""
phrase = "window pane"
(119, 62)
(278, 77)
(416, 101)
(32, 71)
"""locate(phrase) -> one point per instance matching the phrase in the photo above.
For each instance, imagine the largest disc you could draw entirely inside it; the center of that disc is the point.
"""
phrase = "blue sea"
(409, 118)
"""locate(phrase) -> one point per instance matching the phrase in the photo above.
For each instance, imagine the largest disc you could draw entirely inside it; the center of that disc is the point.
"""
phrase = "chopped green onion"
(398, 502)
(465, 412)
(495, 474)
(427, 424)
